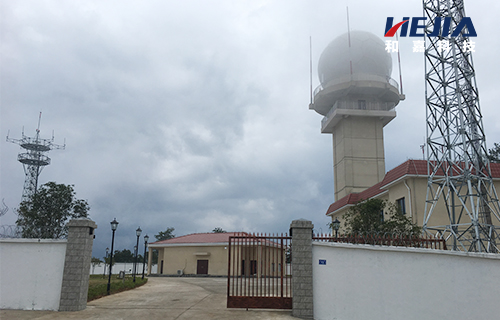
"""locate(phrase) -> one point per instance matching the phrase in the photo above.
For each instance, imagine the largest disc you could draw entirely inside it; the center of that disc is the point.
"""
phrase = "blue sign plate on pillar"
(322, 262)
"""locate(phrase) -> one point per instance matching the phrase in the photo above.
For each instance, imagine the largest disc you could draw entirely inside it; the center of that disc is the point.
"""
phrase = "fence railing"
(10, 231)
(386, 239)
(20, 231)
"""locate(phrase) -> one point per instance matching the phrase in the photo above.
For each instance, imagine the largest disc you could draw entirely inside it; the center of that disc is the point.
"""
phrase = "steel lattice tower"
(34, 160)
(460, 184)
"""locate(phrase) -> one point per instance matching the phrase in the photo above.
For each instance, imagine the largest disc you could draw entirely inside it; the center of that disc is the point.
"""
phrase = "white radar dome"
(367, 54)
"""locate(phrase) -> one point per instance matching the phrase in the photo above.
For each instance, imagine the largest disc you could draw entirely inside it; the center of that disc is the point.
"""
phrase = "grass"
(98, 286)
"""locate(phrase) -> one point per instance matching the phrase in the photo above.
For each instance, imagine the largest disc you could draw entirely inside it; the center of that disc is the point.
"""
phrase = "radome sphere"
(367, 53)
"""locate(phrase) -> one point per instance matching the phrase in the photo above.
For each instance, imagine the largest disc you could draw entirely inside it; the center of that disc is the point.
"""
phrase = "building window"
(382, 216)
(362, 104)
(400, 203)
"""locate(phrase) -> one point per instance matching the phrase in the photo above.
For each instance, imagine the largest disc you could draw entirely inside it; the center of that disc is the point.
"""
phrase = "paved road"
(161, 298)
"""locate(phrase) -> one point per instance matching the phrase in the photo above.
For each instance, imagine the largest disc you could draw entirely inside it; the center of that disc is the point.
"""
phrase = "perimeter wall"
(31, 273)
(373, 282)
(47, 274)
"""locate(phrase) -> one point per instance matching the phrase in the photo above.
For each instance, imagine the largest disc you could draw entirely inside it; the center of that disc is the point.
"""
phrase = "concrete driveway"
(161, 298)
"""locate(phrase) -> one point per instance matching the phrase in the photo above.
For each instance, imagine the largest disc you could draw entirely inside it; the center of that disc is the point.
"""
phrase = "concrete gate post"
(75, 283)
(302, 280)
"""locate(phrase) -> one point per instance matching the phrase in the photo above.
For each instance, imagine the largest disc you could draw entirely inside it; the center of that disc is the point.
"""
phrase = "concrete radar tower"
(357, 97)
(34, 159)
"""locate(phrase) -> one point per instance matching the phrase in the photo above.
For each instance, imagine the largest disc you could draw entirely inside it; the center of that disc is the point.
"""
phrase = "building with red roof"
(208, 254)
(197, 253)
(405, 185)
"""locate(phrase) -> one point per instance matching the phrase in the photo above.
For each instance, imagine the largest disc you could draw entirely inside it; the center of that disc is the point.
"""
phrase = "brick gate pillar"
(75, 283)
(301, 232)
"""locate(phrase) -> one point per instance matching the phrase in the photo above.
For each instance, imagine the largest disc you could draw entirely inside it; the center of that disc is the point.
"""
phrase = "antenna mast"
(349, 37)
(310, 70)
(457, 163)
(34, 159)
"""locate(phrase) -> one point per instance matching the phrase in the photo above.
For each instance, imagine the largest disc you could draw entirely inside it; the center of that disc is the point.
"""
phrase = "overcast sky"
(194, 114)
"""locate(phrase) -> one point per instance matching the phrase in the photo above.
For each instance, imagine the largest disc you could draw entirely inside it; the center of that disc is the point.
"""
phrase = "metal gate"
(259, 272)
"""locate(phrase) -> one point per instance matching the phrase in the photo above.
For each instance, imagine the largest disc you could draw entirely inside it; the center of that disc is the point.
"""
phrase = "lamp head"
(114, 224)
(336, 224)
(146, 238)
(138, 232)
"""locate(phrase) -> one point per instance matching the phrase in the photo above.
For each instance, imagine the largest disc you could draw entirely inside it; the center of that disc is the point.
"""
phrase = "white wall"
(31, 272)
(370, 282)
(117, 267)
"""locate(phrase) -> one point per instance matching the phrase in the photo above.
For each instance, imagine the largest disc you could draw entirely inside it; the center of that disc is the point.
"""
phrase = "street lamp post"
(336, 226)
(104, 272)
(138, 233)
(133, 265)
(114, 226)
(146, 238)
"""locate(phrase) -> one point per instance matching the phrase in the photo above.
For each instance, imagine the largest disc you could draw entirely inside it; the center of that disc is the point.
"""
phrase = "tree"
(218, 230)
(123, 256)
(494, 153)
(369, 216)
(107, 260)
(95, 261)
(164, 235)
(46, 213)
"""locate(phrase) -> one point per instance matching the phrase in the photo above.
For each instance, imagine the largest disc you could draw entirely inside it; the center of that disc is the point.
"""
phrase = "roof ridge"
(190, 234)
(204, 233)
(393, 175)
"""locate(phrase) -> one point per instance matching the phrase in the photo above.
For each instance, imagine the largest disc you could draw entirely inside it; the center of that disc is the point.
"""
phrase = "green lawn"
(98, 285)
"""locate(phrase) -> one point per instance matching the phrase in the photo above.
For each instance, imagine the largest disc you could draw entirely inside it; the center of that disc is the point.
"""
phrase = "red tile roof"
(201, 238)
(353, 198)
(495, 170)
(408, 168)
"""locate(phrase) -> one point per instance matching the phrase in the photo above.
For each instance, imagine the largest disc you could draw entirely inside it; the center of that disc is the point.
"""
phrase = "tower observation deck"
(34, 158)
(357, 98)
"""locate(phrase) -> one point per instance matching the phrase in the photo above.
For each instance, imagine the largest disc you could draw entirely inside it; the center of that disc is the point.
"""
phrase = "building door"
(161, 267)
(202, 267)
(253, 267)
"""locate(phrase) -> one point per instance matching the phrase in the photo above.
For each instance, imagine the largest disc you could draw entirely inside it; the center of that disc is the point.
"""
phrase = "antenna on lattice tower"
(457, 159)
(34, 158)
